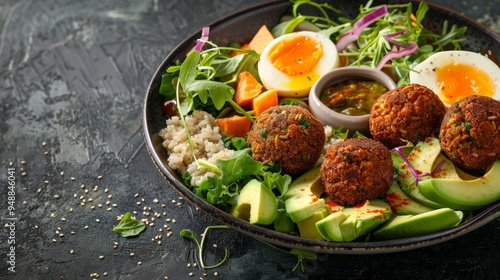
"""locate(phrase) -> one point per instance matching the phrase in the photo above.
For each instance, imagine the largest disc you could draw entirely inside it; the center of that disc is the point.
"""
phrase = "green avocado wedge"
(464, 194)
(256, 204)
(353, 222)
(307, 228)
(404, 226)
(303, 197)
(421, 159)
(401, 204)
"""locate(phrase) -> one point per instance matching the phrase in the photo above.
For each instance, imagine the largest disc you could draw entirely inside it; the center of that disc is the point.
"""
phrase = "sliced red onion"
(389, 37)
(357, 28)
(412, 48)
(204, 37)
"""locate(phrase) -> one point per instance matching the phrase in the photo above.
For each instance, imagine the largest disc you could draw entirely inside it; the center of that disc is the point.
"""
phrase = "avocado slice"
(422, 159)
(354, 222)
(404, 226)
(303, 197)
(307, 228)
(464, 194)
(256, 204)
(401, 204)
(329, 227)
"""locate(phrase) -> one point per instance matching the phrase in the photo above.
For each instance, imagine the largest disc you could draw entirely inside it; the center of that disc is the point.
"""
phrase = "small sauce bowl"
(338, 120)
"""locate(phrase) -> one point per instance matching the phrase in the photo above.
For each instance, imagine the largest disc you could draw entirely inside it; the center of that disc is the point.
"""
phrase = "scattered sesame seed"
(71, 209)
(46, 153)
(139, 263)
(46, 182)
(54, 240)
(72, 251)
(61, 234)
(86, 227)
(24, 174)
(105, 273)
(99, 177)
(191, 273)
(44, 143)
(105, 190)
(216, 273)
(136, 195)
(101, 257)
(97, 220)
(72, 178)
(82, 186)
(132, 254)
(63, 219)
(52, 215)
(39, 190)
(62, 173)
(92, 207)
(56, 196)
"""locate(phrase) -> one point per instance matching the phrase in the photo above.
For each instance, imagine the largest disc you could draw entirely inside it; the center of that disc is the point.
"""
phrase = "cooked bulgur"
(206, 138)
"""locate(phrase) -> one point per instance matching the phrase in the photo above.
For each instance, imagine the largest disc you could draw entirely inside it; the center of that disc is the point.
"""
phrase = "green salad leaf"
(128, 227)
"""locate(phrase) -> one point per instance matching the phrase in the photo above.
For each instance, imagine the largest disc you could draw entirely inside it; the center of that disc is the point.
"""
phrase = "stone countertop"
(73, 76)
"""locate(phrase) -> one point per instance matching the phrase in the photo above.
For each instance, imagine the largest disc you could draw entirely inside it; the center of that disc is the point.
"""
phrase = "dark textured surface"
(72, 82)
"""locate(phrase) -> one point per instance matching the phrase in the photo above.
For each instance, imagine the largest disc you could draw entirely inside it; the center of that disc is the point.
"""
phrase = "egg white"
(425, 72)
(290, 86)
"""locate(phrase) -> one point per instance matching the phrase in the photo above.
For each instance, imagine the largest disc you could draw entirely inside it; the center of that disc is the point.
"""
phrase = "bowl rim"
(282, 239)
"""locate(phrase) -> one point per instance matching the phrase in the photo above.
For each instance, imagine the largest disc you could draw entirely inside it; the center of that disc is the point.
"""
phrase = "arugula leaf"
(239, 166)
(129, 227)
(220, 93)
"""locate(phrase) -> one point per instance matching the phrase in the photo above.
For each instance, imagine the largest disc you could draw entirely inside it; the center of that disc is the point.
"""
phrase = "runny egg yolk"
(297, 57)
(460, 80)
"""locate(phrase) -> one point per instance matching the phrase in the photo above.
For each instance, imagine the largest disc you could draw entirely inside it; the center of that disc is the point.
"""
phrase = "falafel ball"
(355, 170)
(288, 135)
(407, 113)
(470, 134)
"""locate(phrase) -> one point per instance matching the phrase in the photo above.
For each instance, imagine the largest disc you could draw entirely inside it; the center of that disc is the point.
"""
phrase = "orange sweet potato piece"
(261, 39)
(247, 88)
(237, 126)
(265, 100)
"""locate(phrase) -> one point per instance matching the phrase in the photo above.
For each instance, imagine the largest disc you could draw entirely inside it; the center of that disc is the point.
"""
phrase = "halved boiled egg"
(292, 63)
(453, 75)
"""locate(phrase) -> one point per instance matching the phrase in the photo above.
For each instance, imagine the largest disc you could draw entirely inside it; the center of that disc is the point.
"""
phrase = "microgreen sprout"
(193, 236)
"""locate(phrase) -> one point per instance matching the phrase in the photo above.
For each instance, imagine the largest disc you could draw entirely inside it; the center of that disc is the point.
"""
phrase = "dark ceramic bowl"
(239, 27)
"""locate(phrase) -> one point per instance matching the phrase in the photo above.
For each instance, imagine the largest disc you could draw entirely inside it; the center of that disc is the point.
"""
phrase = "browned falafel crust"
(470, 132)
(355, 170)
(407, 113)
(288, 135)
